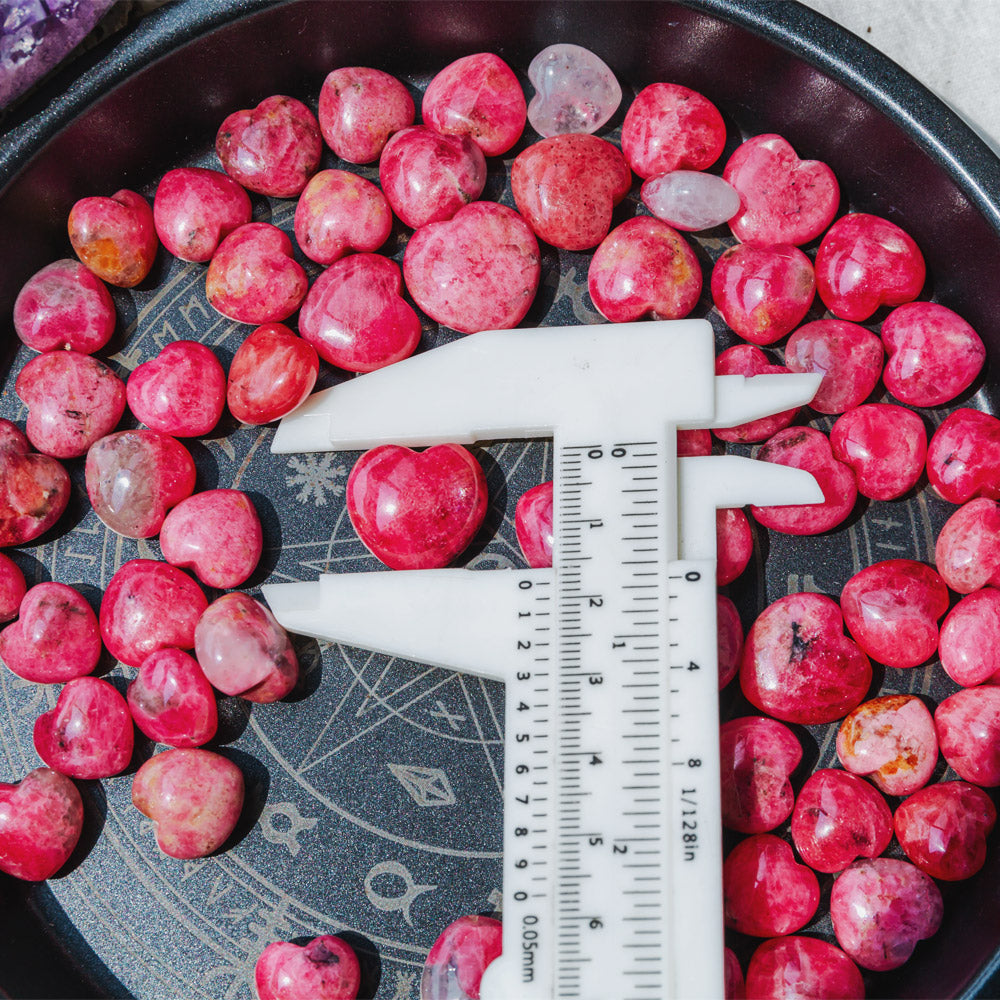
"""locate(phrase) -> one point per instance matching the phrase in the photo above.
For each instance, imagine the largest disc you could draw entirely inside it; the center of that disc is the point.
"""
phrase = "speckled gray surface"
(374, 801)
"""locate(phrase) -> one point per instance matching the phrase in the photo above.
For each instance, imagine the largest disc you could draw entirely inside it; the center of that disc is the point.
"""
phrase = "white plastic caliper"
(612, 871)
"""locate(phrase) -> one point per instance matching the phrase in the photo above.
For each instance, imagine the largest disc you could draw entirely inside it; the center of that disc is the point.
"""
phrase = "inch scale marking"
(612, 826)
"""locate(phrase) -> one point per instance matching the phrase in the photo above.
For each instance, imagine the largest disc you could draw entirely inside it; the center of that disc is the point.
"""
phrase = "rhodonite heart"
(478, 270)
(324, 969)
(40, 823)
(416, 510)
(34, 489)
(785, 199)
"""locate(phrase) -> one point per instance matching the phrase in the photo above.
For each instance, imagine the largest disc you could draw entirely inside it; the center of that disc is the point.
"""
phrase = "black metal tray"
(374, 792)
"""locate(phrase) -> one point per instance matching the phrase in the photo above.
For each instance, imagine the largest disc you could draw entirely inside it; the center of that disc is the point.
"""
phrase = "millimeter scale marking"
(612, 871)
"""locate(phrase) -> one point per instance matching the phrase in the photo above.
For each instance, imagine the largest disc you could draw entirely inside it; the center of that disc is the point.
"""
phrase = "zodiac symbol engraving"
(428, 786)
(285, 834)
(401, 902)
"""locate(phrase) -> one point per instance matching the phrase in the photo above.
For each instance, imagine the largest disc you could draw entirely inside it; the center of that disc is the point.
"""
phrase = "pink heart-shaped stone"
(881, 908)
(417, 510)
(73, 400)
(567, 186)
(839, 817)
(41, 819)
(750, 360)
(356, 317)
(134, 477)
(943, 829)
(963, 456)
(533, 525)
(181, 391)
(785, 199)
(458, 958)
(273, 148)
(194, 798)
(795, 966)
(809, 449)
(766, 892)
(798, 665)
(115, 237)
(55, 638)
(478, 270)
(89, 733)
(253, 277)
(758, 757)
(324, 969)
(243, 650)
(34, 489)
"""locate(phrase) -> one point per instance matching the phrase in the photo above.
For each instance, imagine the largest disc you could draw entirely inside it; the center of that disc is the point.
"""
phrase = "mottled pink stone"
(194, 798)
(272, 373)
(417, 510)
(567, 186)
(735, 544)
(735, 987)
(171, 700)
(846, 355)
(13, 587)
(963, 456)
(55, 638)
(968, 728)
(785, 199)
(359, 108)
(89, 733)
(325, 968)
(644, 269)
(730, 639)
(73, 400)
(967, 551)
(533, 525)
(115, 237)
(149, 605)
(181, 391)
(970, 638)
(575, 90)
(477, 271)
(793, 968)
(273, 148)
(455, 964)
(670, 127)
(758, 756)
(428, 177)
(243, 650)
(885, 445)
(943, 829)
(41, 819)
(34, 489)
(135, 477)
(934, 355)
(696, 441)
(690, 200)
(766, 892)
(216, 534)
(892, 741)
(339, 212)
(749, 360)
(892, 609)
(355, 315)
(839, 817)
(194, 209)
(478, 96)
(881, 908)
(64, 306)
(809, 449)
(253, 277)
(763, 292)
(864, 262)
(798, 665)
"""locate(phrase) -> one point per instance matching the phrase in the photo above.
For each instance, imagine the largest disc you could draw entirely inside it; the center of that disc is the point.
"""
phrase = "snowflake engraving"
(316, 477)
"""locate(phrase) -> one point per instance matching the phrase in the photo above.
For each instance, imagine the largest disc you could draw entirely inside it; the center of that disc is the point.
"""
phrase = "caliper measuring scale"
(612, 833)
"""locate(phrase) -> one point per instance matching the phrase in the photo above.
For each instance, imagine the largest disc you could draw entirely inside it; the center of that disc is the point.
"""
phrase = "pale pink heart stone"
(325, 968)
